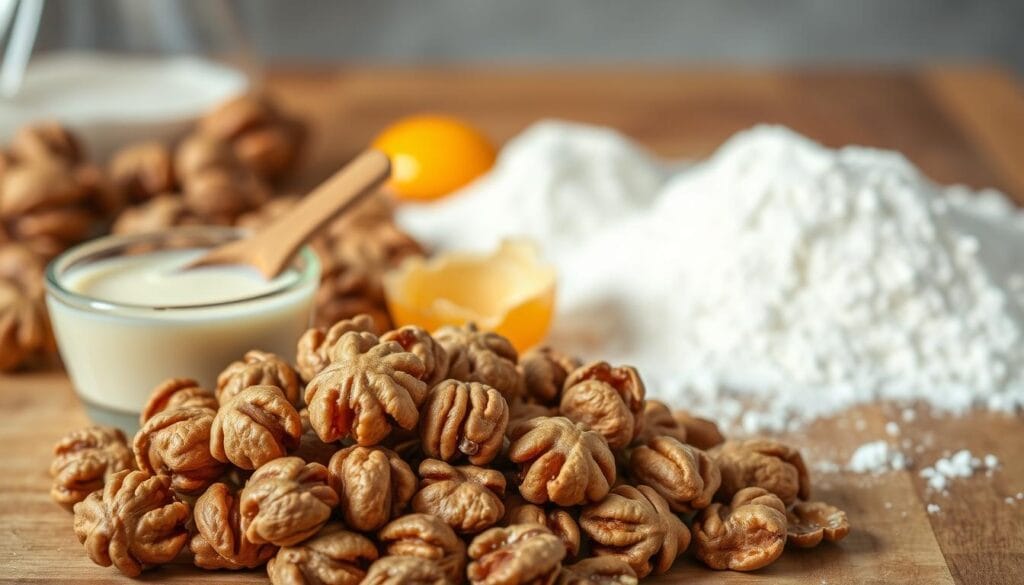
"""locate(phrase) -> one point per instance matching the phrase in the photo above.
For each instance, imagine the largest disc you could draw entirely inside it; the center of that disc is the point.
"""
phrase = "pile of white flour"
(776, 282)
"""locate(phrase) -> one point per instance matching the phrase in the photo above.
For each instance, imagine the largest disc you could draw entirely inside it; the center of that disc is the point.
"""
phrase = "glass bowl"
(117, 352)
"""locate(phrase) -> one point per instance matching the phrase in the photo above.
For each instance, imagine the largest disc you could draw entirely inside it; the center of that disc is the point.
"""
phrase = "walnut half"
(286, 501)
(606, 399)
(561, 462)
(405, 570)
(373, 484)
(219, 542)
(426, 537)
(763, 463)
(518, 554)
(636, 525)
(256, 426)
(84, 459)
(468, 498)
(811, 522)
(748, 534)
(463, 419)
(176, 393)
(369, 388)
(134, 522)
(177, 442)
(334, 556)
(258, 368)
(685, 476)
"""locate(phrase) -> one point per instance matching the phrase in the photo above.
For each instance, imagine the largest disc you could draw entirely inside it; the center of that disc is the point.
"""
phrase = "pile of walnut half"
(430, 458)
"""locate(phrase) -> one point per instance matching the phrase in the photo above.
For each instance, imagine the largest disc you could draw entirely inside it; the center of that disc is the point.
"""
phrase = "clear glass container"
(119, 71)
(117, 352)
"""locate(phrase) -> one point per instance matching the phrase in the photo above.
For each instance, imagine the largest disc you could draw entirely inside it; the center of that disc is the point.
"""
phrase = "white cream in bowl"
(126, 321)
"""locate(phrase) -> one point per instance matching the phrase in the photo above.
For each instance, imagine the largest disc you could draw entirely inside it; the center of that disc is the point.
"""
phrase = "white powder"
(537, 189)
(960, 465)
(776, 282)
(933, 508)
(876, 457)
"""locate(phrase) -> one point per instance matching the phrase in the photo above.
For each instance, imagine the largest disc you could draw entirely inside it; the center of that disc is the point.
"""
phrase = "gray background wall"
(591, 31)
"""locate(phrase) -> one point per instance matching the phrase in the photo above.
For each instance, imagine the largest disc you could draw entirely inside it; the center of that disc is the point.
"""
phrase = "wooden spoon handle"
(272, 248)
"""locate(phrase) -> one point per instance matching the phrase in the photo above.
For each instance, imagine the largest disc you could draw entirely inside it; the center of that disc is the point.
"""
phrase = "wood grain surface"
(962, 124)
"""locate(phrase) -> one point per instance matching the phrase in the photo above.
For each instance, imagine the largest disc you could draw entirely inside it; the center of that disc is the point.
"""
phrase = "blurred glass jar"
(119, 71)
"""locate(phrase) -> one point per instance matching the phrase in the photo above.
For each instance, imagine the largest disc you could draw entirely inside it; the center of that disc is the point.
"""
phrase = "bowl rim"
(306, 264)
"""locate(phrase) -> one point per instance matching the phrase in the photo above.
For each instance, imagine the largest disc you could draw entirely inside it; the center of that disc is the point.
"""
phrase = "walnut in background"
(142, 171)
(25, 333)
(264, 138)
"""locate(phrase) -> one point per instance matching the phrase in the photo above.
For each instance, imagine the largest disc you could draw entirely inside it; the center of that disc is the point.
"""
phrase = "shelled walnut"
(467, 498)
(682, 474)
(261, 135)
(808, 523)
(401, 570)
(142, 171)
(748, 534)
(216, 185)
(286, 501)
(334, 556)
(427, 537)
(700, 432)
(48, 142)
(609, 400)
(481, 356)
(176, 393)
(219, 542)
(764, 463)
(598, 571)
(177, 443)
(25, 333)
(257, 425)
(317, 345)
(258, 368)
(416, 340)
(636, 525)
(518, 554)
(658, 422)
(84, 460)
(561, 462)
(355, 260)
(544, 373)
(134, 522)
(463, 419)
(157, 214)
(558, 520)
(369, 388)
(45, 206)
(373, 485)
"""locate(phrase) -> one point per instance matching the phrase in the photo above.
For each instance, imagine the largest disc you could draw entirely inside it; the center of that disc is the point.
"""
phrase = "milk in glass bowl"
(127, 316)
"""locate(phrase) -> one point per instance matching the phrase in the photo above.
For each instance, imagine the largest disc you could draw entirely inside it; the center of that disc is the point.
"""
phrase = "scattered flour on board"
(775, 282)
(960, 465)
(877, 457)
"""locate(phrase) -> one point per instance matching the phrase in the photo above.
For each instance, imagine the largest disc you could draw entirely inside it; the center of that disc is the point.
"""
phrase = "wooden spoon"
(271, 249)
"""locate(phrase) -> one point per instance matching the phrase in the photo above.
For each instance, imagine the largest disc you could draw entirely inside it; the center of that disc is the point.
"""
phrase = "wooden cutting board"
(960, 125)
